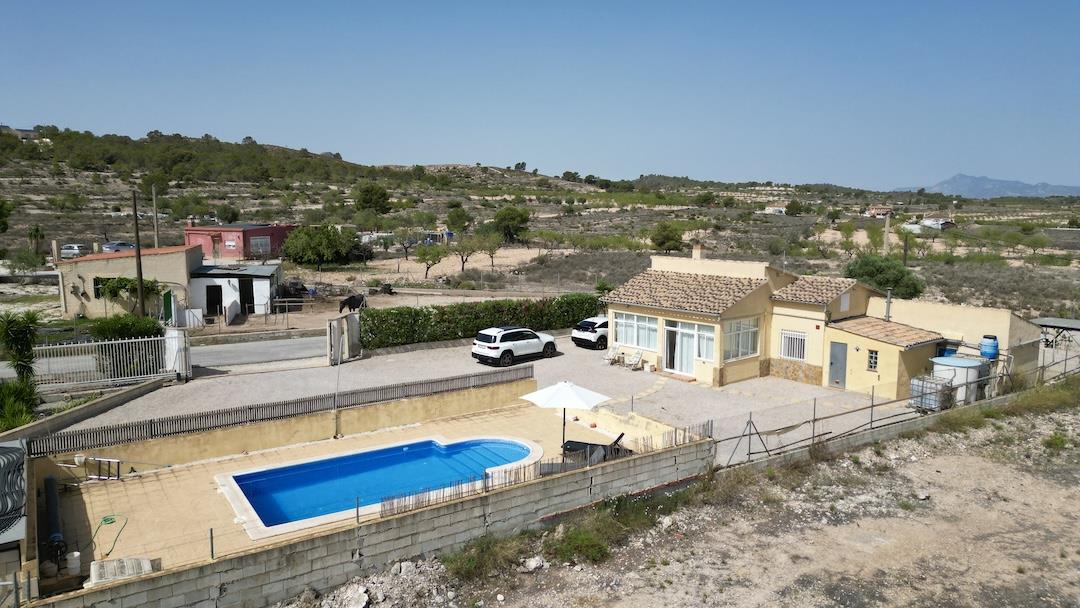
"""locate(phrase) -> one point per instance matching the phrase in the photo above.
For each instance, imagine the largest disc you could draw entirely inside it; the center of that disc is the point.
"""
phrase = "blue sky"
(869, 94)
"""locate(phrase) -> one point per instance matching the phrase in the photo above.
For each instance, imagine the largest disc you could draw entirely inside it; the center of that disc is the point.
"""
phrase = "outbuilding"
(234, 290)
(872, 355)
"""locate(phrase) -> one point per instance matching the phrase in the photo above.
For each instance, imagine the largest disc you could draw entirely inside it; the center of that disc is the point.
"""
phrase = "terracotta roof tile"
(889, 332)
(700, 293)
(814, 290)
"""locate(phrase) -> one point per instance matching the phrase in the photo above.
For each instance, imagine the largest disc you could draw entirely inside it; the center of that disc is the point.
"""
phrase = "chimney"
(888, 304)
(698, 252)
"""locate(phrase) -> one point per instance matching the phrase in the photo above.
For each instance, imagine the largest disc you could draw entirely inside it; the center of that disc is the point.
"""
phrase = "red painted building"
(238, 241)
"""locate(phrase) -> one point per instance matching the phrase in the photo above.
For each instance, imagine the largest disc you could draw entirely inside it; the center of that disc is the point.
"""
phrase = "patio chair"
(611, 357)
(634, 360)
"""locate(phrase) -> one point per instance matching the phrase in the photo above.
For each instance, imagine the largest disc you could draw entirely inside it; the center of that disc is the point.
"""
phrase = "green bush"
(125, 326)
(486, 556)
(17, 402)
(382, 327)
(18, 332)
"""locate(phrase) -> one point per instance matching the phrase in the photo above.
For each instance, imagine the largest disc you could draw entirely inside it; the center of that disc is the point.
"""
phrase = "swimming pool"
(301, 494)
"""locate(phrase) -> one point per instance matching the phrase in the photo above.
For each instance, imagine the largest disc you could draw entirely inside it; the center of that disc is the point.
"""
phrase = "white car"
(504, 345)
(591, 333)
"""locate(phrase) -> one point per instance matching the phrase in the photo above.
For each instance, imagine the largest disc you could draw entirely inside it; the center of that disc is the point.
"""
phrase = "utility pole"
(907, 235)
(885, 241)
(153, 195)
(138, 256)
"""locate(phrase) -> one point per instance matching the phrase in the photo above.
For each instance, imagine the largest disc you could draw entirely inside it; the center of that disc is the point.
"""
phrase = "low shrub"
(486, 556)
(126, 326)
(1055, 441)
(18, 399)
(382, 327)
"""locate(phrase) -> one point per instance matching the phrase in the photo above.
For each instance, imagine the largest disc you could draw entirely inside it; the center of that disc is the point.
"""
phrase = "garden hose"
(108, 520)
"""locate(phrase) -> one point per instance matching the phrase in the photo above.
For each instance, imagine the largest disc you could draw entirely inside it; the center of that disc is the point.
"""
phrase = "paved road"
(219, 355)
(258, 352)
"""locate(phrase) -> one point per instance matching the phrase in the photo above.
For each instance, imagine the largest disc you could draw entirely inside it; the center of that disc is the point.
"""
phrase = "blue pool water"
(311, 489)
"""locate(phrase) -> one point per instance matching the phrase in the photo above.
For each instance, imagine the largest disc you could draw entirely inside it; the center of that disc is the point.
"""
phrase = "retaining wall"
(62, 420)
(278, 572)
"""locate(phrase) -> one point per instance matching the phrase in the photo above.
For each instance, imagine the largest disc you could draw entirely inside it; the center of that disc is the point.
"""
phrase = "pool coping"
(256, 530)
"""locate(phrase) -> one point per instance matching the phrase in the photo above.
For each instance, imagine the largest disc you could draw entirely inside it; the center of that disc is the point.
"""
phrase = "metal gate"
(113, 362)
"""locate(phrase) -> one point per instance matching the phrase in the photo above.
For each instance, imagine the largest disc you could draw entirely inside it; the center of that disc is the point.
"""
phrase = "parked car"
(71, 251)
(591, 333)
(114, 246)
(504, 345)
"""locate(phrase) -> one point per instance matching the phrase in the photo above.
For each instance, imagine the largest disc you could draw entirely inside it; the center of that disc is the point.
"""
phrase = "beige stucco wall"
(858, 302)
(171, 269)
(182, 449)
(894, 369)
(726, 268)
(959, 322)
(807, 318)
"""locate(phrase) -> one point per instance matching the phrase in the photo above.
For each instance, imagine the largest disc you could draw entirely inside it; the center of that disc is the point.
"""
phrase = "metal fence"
(505, 477)
(753, 443)
(111, 362)
(128, 432)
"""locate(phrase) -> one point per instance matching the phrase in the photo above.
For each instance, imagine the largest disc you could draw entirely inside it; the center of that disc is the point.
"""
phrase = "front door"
(213, 300)
(837, 364)
(166, 307)
(680, 352)
(247, 297)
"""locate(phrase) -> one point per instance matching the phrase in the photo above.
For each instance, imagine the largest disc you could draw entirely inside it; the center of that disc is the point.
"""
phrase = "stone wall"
(271, 574)
(794, 370)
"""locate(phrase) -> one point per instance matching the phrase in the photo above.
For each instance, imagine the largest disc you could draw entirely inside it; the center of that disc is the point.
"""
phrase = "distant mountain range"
(970, 186)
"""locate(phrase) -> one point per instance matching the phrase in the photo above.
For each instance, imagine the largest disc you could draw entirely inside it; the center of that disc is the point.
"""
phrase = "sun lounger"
(611, 357)
(595, 453)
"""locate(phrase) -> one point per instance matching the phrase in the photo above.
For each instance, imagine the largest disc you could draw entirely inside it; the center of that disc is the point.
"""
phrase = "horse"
(352, 303)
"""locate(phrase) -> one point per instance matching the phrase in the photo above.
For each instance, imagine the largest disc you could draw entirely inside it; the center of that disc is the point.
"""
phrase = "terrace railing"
(141, 430)
(758, 439)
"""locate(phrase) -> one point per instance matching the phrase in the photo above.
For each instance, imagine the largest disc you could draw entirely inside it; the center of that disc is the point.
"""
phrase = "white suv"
(591, 333)
(503, 345)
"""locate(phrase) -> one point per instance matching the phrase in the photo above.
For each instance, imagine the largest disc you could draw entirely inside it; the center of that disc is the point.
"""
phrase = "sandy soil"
(399, 270)
(44, 299)
(986, 518)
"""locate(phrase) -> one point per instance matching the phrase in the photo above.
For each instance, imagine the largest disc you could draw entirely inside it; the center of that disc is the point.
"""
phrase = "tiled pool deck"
(169, 512)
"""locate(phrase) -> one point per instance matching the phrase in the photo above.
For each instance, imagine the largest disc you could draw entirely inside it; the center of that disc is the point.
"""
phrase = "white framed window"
(702, 336)
(793, 345)
(741, 338)
(845, 301)
(635, 330)
(871, 359)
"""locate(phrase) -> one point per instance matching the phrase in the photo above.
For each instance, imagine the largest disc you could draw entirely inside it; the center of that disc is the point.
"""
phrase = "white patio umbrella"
(568, 396)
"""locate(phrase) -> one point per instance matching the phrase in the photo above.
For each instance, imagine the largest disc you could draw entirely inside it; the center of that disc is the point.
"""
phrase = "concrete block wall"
(271, 574)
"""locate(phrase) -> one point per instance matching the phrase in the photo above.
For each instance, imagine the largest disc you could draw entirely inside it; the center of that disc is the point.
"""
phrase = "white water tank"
(968, 374)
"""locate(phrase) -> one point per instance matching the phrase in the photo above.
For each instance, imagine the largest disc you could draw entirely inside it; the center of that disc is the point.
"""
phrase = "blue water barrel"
(988, 347)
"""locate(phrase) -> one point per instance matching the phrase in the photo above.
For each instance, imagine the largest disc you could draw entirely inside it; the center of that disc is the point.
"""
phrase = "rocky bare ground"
(983, 517)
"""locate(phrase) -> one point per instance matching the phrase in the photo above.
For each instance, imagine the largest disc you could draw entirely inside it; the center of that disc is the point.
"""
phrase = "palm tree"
(35, 236)
(18, 332)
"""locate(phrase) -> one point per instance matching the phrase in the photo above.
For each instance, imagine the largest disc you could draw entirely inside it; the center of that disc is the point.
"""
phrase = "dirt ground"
(399, 270)
(982, 518)
(43, 299)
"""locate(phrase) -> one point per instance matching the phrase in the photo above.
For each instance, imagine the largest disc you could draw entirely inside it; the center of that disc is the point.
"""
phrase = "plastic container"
(988, 347)
(73, 562)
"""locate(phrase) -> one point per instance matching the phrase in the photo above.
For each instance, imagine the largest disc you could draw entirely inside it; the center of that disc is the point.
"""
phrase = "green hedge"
(382, 327)
(126, 326)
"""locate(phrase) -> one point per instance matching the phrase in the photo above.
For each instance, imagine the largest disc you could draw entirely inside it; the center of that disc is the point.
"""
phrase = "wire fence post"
(749, 437)
(357, 509)
(813, 422)
(872, 407)
(211, 543)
